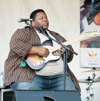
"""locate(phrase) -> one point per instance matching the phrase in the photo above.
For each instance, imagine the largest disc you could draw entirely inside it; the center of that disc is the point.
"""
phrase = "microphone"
(24, 20)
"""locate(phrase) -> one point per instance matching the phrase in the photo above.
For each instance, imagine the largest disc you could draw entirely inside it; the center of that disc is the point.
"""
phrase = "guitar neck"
(65, 43)
(72, 41)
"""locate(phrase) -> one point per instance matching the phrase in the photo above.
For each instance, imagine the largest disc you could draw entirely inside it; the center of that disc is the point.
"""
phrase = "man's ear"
(33, 23)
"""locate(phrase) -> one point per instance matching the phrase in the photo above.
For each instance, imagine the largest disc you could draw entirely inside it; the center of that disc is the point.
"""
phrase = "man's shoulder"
(22, 32)
(57, 36)
(26, 28)
(53, 32)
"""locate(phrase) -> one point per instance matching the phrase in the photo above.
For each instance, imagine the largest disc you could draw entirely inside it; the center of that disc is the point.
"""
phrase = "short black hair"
(33, 14)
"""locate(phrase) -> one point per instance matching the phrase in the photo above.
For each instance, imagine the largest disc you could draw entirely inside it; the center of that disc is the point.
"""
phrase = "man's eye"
(41, 18)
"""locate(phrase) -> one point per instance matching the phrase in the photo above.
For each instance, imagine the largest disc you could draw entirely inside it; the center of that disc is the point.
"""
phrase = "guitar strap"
(47, 35)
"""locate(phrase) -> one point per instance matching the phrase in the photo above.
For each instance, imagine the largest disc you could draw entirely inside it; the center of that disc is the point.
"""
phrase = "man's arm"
(39, 51)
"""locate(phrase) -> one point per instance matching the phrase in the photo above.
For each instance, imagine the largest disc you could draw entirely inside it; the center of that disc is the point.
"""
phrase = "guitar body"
(37, 62)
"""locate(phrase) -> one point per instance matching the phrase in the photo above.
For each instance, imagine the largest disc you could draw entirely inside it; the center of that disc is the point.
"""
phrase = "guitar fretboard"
(73, 40)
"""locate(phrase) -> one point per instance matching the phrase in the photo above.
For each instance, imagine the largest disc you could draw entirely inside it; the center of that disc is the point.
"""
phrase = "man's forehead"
(40, 14)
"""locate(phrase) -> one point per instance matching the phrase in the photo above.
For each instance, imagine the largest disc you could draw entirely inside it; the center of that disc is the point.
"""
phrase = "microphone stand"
(64, 50)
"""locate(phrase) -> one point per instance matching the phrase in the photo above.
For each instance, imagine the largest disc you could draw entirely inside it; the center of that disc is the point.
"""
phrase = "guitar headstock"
(90, 34)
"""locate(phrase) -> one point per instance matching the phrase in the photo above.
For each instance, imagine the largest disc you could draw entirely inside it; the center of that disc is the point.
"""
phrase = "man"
(24, 42)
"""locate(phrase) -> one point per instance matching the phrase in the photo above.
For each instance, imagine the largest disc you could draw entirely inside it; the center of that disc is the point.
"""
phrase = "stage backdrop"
(90, 24)
(64, 18)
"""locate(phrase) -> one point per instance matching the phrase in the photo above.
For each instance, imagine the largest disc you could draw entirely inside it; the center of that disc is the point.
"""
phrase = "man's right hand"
(41, 51)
